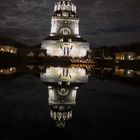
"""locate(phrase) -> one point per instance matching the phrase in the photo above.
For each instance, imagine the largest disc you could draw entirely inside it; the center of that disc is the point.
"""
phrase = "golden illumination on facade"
(120, 56)
(9, 49)
(125, 55)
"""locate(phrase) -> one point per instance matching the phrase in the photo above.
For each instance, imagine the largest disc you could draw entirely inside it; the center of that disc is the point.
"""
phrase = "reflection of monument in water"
(63, 84)
(64, 39)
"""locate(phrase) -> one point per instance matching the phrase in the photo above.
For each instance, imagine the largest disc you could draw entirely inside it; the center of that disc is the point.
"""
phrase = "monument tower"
(64, 39)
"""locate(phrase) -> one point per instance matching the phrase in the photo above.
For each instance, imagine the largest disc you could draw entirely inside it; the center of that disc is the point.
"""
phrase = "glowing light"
(71, 49)
(54, 26)
(65, 24)
(128, 72)
(74, 92)
(76, 28)
(51, 95)
(1, 49)
(31, 54)
(8, 71)
(58, 74)
(129, 57)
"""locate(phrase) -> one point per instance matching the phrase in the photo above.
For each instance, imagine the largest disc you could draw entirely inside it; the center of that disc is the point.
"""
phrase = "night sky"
(101, 21)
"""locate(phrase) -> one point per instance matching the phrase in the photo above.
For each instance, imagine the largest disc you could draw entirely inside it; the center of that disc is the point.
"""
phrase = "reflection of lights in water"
(76, 87)
(1, 71)
(11, 69)
(74, 92)
(63, 91)
(137, 72)
(129, 57)
(119, 72)
(1, 49)
(128, 72)
(30, 66)
(58, 74)
(131, 73)
(8, 49)
(54, 51)
(8, 71)
(61, 99)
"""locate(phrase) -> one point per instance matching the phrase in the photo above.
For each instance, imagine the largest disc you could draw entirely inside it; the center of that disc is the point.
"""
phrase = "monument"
(64, 39)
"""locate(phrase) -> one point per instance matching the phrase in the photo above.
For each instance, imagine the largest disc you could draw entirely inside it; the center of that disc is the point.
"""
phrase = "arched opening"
(63, 91)
(65, 31)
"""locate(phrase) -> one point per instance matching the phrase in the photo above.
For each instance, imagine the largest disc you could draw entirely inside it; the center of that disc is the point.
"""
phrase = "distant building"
(9, 49)
(101, 54)
(125, 55)
(116, 54)
(64, 39)
(32, 52)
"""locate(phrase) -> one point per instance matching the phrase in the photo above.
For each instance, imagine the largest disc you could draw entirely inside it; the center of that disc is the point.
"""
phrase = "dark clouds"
(101, 21)
(123, 29)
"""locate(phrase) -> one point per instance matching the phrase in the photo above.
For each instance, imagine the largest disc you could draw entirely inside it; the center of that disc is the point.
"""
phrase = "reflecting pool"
(69, 102)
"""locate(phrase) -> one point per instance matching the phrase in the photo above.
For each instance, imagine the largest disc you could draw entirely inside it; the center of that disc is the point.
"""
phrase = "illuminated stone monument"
(64, 39)
(63, 84)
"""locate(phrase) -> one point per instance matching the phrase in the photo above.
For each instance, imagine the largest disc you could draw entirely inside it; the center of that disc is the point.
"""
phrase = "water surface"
(77, 101)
